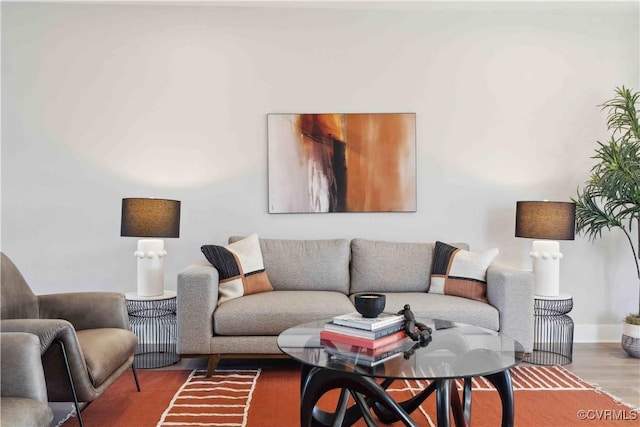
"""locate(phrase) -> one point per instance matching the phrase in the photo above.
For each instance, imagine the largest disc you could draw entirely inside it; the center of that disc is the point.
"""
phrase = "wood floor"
(607, 365)
(604, 364)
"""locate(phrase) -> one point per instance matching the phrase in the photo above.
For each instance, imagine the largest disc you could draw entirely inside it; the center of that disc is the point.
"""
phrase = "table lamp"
(150, 218)
(550, 221)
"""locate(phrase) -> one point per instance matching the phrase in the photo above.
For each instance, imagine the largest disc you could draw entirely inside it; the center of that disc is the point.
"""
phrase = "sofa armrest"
(22, 372)
(197, 298)
(86, 310)
(510, 290)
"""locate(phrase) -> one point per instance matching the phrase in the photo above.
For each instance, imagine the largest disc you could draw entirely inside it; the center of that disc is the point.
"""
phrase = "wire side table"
(153, 320)
(553, 330)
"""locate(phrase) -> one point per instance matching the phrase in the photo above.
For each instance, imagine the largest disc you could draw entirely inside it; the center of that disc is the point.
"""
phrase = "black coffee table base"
(368, 394)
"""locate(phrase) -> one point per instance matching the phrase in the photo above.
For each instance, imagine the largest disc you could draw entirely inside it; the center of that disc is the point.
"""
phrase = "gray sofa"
(315, 279)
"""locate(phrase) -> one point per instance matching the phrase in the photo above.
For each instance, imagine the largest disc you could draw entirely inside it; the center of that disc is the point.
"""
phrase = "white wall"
(105, 101)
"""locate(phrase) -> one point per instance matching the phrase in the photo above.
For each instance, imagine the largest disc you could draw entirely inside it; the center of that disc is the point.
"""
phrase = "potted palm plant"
(611, 196)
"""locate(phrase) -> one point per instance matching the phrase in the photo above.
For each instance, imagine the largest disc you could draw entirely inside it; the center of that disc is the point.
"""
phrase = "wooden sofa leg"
(214, 359)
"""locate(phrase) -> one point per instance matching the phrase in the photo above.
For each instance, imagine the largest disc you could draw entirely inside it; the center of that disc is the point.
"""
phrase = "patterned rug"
(544, 397)
(223, 399)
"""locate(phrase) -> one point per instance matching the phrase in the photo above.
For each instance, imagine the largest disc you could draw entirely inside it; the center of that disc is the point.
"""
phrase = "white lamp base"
(546, 267)
(150, 256)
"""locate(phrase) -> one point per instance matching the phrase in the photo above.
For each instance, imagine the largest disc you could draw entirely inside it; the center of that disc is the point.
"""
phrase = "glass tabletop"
(456, 350)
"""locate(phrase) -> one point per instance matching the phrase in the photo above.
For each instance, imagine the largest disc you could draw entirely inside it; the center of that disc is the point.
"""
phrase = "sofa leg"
(214, 359)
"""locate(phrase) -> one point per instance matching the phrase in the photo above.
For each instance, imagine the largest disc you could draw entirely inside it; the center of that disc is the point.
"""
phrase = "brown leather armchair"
(85, 337)
(24, 391)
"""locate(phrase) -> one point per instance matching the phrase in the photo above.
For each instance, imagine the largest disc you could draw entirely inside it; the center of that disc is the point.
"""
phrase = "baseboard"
(597, 333)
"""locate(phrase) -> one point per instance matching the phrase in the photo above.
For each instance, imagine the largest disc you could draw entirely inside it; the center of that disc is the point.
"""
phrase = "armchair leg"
(73, 387)
(135, 377)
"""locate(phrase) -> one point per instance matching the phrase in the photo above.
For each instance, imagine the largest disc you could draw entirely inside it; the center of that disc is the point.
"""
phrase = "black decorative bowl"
(370, 305)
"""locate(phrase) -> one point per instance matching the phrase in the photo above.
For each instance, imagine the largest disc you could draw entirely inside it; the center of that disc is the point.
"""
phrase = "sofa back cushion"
(378, 266)
(321, 265)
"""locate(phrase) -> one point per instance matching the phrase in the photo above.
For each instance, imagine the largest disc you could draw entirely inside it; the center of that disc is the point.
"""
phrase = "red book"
(362, 342)
(354, 350)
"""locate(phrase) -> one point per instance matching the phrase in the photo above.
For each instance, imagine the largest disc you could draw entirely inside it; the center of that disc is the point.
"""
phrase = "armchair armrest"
(49, 331)
(22, 372)
(197, 298)
(510, 290)
(86, 310)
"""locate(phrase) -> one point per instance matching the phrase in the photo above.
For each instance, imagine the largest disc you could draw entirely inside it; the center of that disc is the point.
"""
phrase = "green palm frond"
(591, 219)
(623, 115)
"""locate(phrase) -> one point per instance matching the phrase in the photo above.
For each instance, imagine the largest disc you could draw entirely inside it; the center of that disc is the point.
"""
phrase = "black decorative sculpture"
(414, 329)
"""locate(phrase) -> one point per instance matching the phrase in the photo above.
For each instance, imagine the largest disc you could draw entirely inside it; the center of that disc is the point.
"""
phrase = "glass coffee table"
(455, 351)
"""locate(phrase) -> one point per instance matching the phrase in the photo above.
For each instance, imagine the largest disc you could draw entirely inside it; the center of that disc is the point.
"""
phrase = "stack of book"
(367, 341)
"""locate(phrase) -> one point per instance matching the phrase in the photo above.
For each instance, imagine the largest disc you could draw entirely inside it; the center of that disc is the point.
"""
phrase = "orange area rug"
(544, 397)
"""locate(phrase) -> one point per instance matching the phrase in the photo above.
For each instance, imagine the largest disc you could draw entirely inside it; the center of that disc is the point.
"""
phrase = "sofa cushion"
(240, 268)
(455, 309)
(321, 265)
(378, 266)
(273, 312)
(460, 273)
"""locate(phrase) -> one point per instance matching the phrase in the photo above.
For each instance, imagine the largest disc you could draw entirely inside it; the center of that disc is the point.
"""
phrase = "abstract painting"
(342, 162)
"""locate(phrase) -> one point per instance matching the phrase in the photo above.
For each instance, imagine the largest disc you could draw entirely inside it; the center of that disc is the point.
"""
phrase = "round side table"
(153, 320)
(553, 330)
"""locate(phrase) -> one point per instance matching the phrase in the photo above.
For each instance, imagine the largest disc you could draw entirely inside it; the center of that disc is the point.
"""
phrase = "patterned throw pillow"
(459, 272)
(240, 268)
